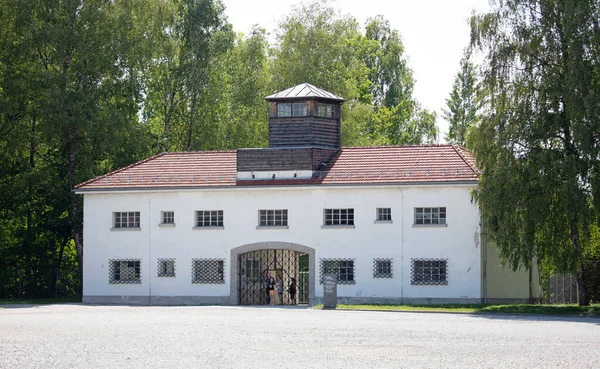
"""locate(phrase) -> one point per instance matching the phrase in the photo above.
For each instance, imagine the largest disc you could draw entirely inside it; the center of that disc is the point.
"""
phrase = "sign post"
(329, 291)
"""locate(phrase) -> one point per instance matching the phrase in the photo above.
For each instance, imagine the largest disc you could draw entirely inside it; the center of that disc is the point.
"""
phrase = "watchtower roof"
(304, 91)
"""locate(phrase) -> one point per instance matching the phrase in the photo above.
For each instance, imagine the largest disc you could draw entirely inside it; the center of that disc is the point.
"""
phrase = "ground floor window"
(343, 268)
(382, 268)
(208, 271)
(429, 271)
(124, 271)
(166, 268)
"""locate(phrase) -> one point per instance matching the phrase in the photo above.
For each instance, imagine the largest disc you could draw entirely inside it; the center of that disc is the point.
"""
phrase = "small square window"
(382, 268)
(326, 110)
(167, 217)
(166, 268)
(384, 214)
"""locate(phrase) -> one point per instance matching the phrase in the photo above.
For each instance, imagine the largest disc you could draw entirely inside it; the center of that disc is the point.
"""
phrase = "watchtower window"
(284, 110)
(326, 110)
(289, 109)
(299, 109)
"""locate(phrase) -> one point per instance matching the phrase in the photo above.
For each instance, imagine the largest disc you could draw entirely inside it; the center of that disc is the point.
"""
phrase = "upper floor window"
(209, 218)
(291, 109)
(335, 217)
(167, 217)
(430, 215)
(299, 109)
(126, 219)
(273, 218)
(384, 214)
(284, 110)
(326, 110)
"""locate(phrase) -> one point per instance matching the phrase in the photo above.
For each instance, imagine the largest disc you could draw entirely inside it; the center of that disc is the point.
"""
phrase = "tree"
(538, 143)
(463, 103)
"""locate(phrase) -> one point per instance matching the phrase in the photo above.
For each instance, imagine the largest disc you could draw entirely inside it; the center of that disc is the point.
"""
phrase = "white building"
(395, 223)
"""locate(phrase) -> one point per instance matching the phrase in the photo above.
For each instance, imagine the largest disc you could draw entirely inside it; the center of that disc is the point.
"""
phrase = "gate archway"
(251, 263)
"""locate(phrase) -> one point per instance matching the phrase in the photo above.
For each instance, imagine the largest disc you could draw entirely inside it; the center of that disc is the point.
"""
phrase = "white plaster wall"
(458, 242)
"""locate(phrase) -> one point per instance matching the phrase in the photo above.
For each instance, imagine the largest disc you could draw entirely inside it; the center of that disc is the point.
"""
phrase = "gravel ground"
(79, 336)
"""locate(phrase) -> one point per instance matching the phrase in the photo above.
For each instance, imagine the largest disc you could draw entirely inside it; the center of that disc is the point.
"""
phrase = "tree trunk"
(583, 297)
(74, 213)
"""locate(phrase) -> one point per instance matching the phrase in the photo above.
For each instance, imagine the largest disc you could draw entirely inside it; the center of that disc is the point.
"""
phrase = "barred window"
(208, 271)
(338, 217)
(430, 215)
(382, 268)
(429, 271)
(273, 218)
(384, 214)
(284, 110)
(167, 217)
(343, 268)
(299, 110)
(166, 267)
(124, 271)
(126, 219)
(209, 218)
(326, 110)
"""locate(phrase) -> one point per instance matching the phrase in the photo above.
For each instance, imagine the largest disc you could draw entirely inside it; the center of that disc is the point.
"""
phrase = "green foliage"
(463, 103)
(537, 141)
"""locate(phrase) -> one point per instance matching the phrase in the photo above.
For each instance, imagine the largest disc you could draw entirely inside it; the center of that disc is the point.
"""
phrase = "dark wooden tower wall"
(310, 130)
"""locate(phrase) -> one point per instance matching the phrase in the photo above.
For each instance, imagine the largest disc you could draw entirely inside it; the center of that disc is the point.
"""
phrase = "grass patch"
(67, 300)
(570, 310)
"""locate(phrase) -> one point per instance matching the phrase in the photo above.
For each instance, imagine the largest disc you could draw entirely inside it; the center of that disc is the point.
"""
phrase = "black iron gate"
(255, 266)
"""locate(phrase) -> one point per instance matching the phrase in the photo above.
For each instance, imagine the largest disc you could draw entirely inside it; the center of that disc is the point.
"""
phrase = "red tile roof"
(352, 165)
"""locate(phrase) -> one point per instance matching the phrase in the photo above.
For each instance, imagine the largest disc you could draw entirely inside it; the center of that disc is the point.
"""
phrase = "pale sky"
(434, 33)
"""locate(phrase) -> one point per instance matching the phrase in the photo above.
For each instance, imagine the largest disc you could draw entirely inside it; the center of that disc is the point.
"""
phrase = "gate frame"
(234, 296)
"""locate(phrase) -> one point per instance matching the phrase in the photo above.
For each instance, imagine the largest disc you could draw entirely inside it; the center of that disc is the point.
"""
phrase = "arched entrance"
(251, 263)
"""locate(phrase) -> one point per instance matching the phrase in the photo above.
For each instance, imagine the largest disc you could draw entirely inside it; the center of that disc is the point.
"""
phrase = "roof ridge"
(396, 146)
(458, 150)
(200, 151)
(119, 170)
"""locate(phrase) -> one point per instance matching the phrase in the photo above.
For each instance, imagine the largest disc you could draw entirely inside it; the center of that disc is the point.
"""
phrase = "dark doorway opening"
(287, 265)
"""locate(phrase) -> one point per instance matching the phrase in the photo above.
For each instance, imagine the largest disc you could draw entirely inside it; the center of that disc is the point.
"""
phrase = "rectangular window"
(326, 110)
(384, 214)
(429, 272)
(343, 268)
(430, 215)
(167, 217)
(299, 109)
(209, 218)
(382, 268)
(126, 219)
(338, 217)
(284, 110)
(273, 218)
(166, 268)
(124, 271)
(208, 271)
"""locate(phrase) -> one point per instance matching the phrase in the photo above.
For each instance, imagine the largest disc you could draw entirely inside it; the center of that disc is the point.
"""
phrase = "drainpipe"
(402, 250)
(483, 261)
(149, 250)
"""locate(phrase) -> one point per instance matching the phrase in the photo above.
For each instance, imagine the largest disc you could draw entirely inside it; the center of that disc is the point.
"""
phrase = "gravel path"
(78, 336)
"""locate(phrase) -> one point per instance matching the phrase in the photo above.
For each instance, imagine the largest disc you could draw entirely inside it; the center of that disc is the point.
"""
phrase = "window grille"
(429, 271)
(273, 218)
(382, 268)
(430, 215)
(284, 110)
(338, 217)
(384, 214)
(326, 110)
(126, 219)
(343, 268)
(124, 271)
(168, 217)
(299, 109)
(209, 218)
(208, 271)
(166, 268)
